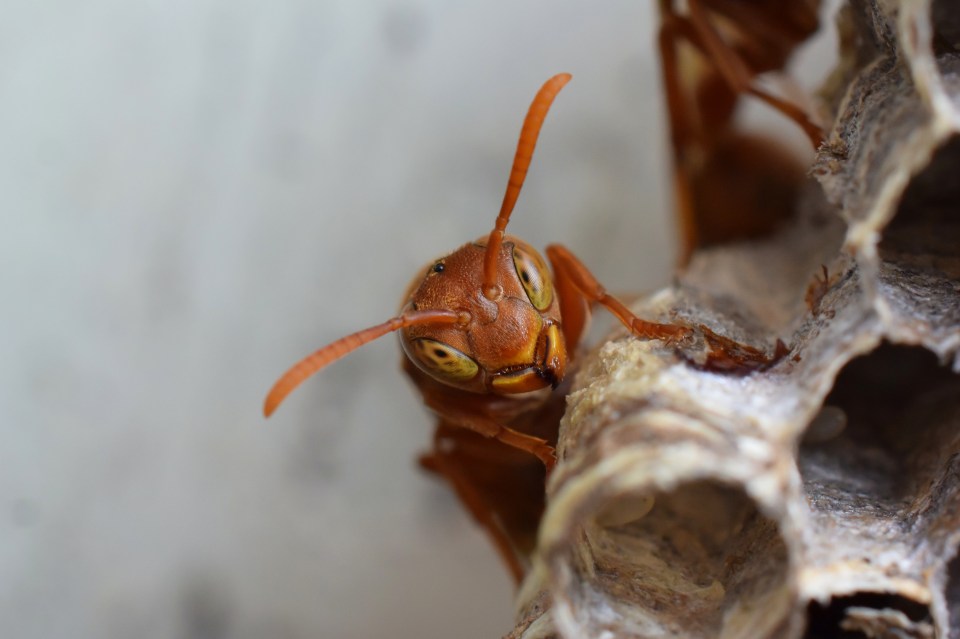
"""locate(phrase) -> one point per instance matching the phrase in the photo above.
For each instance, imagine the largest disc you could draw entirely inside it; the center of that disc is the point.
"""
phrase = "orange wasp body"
(487, 334)
(730, 185)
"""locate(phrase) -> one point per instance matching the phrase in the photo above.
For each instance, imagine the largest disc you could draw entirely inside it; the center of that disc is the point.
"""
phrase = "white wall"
(196, 194)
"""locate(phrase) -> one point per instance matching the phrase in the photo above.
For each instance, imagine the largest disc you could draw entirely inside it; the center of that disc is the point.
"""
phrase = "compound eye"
(445, 362)
(535, 278)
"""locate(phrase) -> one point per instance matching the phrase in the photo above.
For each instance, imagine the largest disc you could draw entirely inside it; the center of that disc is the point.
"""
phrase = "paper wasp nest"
(820, 496)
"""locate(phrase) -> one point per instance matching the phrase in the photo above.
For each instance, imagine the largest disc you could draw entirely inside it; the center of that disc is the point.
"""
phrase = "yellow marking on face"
(522, 382)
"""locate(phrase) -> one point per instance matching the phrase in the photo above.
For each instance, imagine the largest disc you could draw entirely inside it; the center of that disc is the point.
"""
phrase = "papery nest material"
(818, 496)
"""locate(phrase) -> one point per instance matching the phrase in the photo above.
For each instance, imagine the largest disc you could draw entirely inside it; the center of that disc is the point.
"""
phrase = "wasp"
(728, 184)
(488, 334)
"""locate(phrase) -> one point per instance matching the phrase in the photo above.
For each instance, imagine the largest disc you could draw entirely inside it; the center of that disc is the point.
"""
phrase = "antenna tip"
(269, 405)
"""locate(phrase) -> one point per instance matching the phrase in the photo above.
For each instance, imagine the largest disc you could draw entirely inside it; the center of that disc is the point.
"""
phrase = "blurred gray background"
(197, 194)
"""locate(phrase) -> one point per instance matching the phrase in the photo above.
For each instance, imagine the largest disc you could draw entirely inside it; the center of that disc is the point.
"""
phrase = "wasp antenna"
(521, 162)
(345, 345)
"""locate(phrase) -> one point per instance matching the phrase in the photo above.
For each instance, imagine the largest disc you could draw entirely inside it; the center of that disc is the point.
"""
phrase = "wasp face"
(513, 342)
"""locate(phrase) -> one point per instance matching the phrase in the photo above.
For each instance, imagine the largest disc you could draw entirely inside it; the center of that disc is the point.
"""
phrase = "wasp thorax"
(512, 343)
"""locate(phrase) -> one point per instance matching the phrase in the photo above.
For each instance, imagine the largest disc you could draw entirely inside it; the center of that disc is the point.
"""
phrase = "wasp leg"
(574, 310)
(444, 463)
(473, 412)
(738, 75)
(716, 169)
(574, 276)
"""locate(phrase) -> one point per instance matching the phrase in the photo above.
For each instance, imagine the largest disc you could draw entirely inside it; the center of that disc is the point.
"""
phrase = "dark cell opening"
(925, 233)
(896, 401)
(826, 621)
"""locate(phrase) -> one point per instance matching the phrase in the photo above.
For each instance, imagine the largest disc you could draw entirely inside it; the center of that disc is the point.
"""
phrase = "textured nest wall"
(819, 497)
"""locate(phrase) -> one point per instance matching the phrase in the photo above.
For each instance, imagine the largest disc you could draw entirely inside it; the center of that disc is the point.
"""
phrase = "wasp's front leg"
(477, 412)
(723, 354)
(574, 278)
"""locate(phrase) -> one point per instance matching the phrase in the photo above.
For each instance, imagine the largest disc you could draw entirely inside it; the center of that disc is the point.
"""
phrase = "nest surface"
(818, 496)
